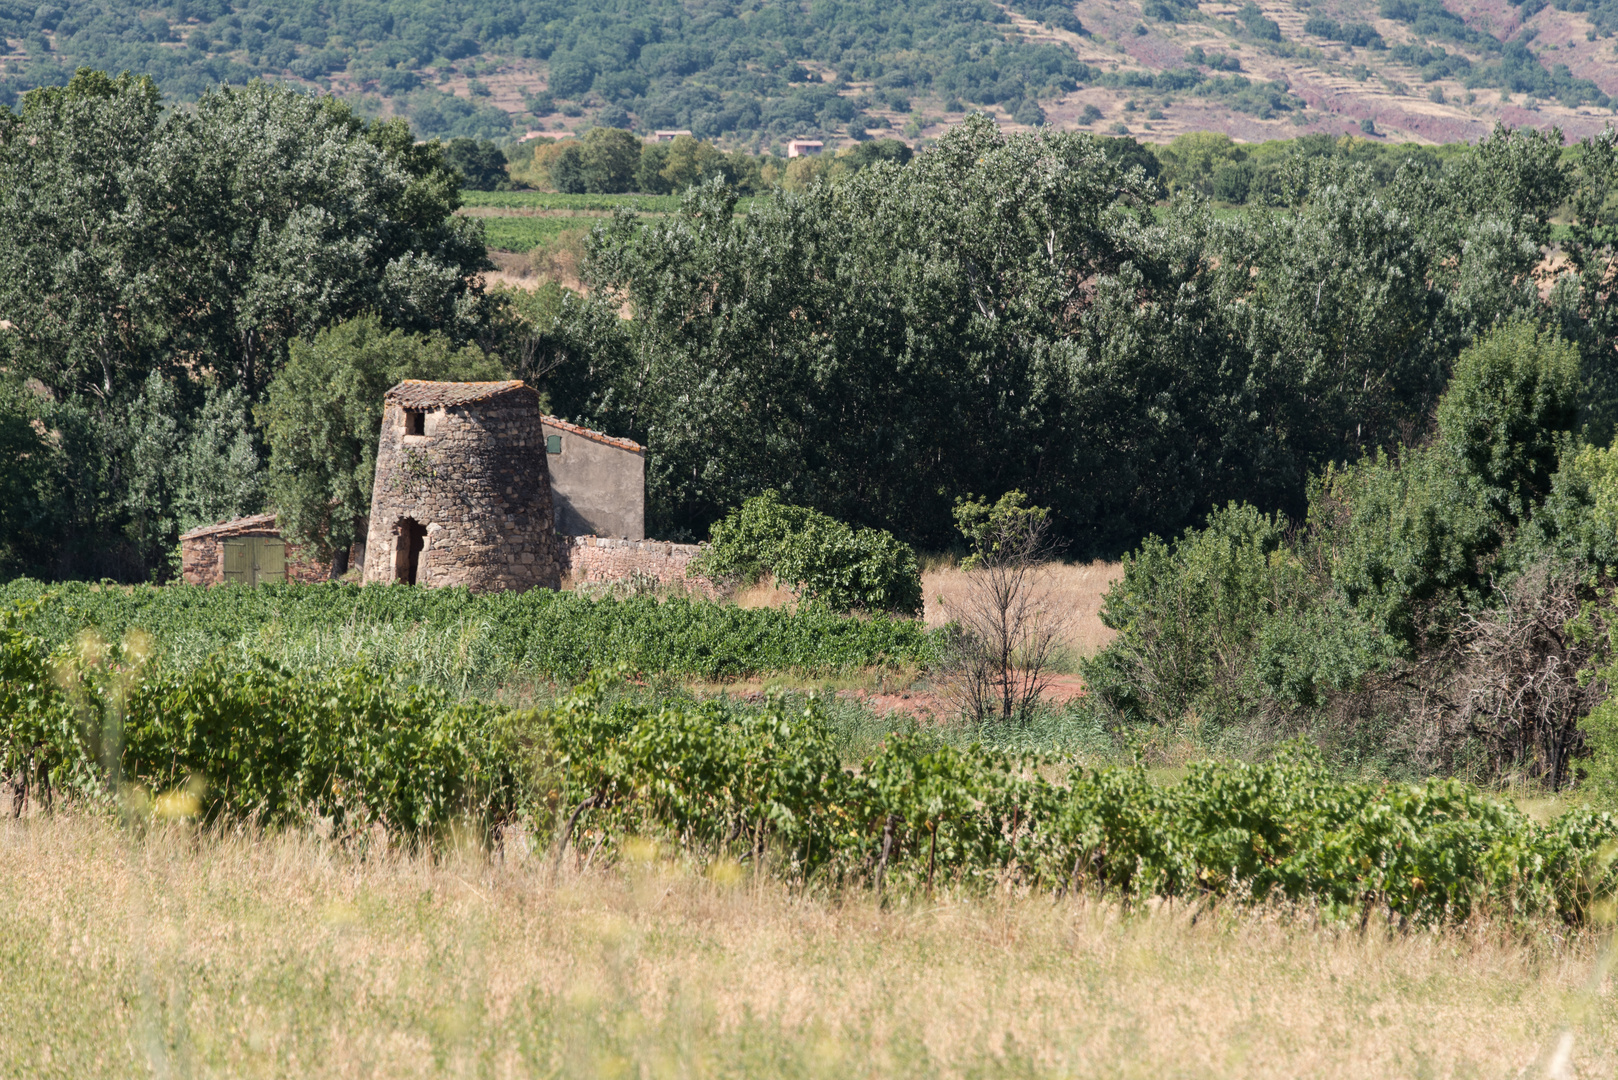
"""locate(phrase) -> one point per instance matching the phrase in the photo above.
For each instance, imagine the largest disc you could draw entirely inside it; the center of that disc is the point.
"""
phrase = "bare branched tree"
(1503, 694)
(1526, 685)
(1010, 623)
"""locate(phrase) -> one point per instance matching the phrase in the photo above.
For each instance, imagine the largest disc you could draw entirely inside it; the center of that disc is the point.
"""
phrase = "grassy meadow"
(169, 952)
(524, 222)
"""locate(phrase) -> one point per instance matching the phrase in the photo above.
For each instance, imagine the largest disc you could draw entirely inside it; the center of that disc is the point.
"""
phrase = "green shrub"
(1578, 522)
(1405, 540)
(1508, 412)
(1403, 557)
(1188, 617)
(251, 741)
(1600, 769)
(821, 559)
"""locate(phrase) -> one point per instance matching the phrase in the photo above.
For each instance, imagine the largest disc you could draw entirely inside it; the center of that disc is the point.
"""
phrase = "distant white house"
(804, 147)
(668, 136)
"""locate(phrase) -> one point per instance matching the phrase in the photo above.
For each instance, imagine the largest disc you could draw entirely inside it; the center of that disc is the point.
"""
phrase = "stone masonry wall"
(202, 558)
(477, 480)
(600, 560)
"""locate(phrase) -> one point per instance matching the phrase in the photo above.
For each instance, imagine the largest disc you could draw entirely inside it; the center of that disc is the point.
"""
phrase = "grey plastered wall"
(598, 485)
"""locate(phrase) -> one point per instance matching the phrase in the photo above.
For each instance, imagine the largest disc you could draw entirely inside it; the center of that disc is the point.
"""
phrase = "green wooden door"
(270, 562)
(238, 563)
(253, 560)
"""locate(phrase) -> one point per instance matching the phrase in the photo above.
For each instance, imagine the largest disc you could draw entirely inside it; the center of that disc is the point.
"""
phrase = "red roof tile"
(622, 444)
(251, 523)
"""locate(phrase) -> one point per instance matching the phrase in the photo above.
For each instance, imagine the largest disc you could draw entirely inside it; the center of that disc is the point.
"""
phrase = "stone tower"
(462, 493)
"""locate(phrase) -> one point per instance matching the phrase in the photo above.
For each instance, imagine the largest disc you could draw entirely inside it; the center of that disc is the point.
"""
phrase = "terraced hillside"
(755, 73)
(1433, 73)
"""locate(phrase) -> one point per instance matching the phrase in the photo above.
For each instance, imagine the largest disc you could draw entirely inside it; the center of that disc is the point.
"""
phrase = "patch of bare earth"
(933, 704)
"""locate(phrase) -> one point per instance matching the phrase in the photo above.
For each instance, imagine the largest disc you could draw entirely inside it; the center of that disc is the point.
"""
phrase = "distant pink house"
(804, 147)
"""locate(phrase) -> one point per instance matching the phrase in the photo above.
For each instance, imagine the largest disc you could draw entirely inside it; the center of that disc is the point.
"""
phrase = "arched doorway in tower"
(412, 538)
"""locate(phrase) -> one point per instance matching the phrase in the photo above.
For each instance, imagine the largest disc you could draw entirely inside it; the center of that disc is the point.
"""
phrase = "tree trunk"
(339, 563)
(887, 849)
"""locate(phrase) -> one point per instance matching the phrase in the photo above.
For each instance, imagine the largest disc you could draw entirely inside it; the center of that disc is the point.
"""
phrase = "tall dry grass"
(558, 260)
(1076, 589)
(180, 955)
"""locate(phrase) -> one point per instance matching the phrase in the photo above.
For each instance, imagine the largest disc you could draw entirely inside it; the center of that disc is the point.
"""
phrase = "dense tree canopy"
(480, 162)
(208, 239)
(1009, 312)
(157, 266)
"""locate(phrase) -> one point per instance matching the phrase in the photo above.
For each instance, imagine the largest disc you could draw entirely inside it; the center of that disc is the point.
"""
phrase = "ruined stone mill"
(474, 487)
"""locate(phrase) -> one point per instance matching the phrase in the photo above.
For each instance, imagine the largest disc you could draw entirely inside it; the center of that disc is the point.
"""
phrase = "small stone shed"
(246, 551)
(462, 494)
(598, 483)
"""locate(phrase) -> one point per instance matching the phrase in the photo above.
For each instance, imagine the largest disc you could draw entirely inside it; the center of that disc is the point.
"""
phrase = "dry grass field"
(178, 955)
(1076, 589)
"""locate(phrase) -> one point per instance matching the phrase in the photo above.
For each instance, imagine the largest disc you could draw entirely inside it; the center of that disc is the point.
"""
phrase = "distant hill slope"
(758, 72)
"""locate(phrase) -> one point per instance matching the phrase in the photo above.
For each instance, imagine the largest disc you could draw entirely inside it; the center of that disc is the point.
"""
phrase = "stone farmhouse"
(474, 487)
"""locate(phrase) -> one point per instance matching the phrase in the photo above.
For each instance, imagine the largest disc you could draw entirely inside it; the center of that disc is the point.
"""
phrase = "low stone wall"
(605, 560)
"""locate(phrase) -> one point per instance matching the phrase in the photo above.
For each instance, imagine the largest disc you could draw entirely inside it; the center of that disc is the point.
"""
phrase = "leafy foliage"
(1509, 410)
(323, 414)
(537, 634)
(1008, 530)
(250, 740)
(1439, 583)
(821, 559)
(138, 233)
(1004, 312)
(186, 470)
(671, 167)
(1189, 616)
(1357, 34)
(604, 162)
(275, 744)
(480, 162)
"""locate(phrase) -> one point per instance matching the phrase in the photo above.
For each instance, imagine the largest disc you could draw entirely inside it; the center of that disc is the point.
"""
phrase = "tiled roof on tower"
(421, 394)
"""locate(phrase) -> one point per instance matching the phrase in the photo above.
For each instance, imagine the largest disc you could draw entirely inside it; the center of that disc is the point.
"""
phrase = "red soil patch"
(931, 705)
